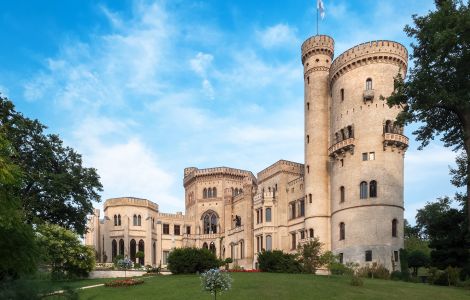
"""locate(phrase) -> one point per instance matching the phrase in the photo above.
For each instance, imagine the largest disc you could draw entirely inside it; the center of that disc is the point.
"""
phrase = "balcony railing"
(395, 140)
(341, 148)
(369, 95)
(235, 230)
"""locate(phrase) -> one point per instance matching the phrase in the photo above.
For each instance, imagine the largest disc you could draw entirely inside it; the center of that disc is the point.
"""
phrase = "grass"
(277, 286)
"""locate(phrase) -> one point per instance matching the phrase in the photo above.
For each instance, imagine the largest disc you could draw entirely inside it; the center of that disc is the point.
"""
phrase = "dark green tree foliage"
(310, 255)
(55, 187)
(18, 248)
(437, 92)
(278, 262)
(191, 260)
(64, 252)
(445, 228)
(417, 259)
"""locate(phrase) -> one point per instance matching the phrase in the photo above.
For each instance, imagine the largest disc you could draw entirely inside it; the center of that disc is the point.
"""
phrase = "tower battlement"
(318, 44)
(381, 51)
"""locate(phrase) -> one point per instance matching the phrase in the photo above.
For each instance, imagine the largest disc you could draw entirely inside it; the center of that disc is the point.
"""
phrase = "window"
(154, 253)
(141, 246)
(210, 222)
(302, 235)
(242, 249)
(308, 169)
(373, 189)
(308, 80)
(205, 246)
(204, 193)
(395, 255)
(153, 223)
(259, 243)
(134, 220)
(341, 255)
(368, 84)
(308, 139)
(302, 208)
(166, 228)
(188, 229)
(342, 162)
(257, 216)
(364, 156)
(132, 249)
(342, 231)
(165, 257)
(115, 220)
(268, 214)
(363, 190)
(177, 230)
(214, 192)
(369, 255)
(292, 210)
(119, 220)
(308, 105)
(309, 198)
(311, 232)
(341, 192)
(269, 243)
(139, 220)
(371, 155)
(342, 94)
(209, 193)
(121, 247)
(293, 240)
(394, 227)
(212, 248)
(114, 249)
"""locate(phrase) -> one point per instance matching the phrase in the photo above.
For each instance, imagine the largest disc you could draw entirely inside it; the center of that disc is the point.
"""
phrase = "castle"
(349, 192)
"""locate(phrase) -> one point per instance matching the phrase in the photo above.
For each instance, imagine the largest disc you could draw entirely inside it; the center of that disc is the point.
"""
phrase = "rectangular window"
(371, 155)
(166, 228)
(342, 163)
(268, 214)
(341, 258)
(177, 230)
(308, 105)
(342, 94)
(369, 255)
(364, 156)
(259, 243)
(257, 216)
(309, 198)
(308, 138)
(261, 215)
(188, 229)
(294, 242)
(395, 255)
(308, 80)
(165, 257)
(302, 208)
(292, 210)
(302, 235)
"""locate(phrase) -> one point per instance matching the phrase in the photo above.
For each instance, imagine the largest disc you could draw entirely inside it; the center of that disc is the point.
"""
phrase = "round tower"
(317, 56)
(367, 152)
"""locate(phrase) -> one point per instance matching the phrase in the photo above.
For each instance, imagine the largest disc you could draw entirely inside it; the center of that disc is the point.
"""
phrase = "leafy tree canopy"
(55, 187)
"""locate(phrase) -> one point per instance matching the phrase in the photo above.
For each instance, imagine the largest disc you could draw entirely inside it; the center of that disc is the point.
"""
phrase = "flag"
(321, 8)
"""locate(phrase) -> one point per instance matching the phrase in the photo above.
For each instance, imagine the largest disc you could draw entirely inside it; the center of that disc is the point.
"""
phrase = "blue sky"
(145, 88)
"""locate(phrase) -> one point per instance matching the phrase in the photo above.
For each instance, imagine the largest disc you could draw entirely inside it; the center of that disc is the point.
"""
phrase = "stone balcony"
(339, 149)
(369, 95)
(235, 230)
(396, 141)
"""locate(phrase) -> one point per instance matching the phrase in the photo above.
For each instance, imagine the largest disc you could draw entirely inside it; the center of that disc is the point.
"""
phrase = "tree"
(437, 92)
(64, 252)
(191, 260)
(55, 187)
(445, 228)
(309, 254)
(331, 263)
(215, 281)
(417, 259)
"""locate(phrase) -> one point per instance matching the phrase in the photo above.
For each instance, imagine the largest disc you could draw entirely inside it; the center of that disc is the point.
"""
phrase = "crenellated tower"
(317, 56)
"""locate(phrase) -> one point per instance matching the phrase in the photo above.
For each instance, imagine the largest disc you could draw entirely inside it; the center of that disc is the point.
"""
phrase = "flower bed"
(244, 271)
(124, 282)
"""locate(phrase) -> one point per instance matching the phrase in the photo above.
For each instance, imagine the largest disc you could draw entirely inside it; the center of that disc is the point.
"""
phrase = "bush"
(449, 276)
(191, 260)
(310, 256)
(374, 271)
(356, 281)
(215, 281)
(278, 262)
(124, 282)
(396, 275)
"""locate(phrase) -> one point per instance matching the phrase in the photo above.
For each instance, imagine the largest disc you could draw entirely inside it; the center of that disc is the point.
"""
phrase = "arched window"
(342, 94)
(209, 193)
(368, 84)
(132, 249)
(154, 253)
(394, 227)
(114, 249)
(210, 222)
(350, 131)
(119, 220)
(204, 193)
(134, 220)
(212, 247)
(268, 214)
(388, 126)
(205, 246)
(269, 243)
(139, 220)
(236, 191)
(311, 232)
(342, 194)
(363, 190)
(121, 247)
(115, 220)
(342, 231)
(242, 249)
(141, 249)
(233, 192)
(214, 192)
(373, 189)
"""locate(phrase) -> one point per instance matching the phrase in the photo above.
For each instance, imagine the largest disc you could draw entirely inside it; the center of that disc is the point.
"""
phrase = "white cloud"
(3, 91)
(201, 63)
(279, 35)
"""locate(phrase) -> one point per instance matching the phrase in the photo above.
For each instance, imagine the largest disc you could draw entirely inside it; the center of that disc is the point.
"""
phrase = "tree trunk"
(466, 133)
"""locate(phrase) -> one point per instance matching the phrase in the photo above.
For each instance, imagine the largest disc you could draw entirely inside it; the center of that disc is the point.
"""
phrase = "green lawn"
(277, 286)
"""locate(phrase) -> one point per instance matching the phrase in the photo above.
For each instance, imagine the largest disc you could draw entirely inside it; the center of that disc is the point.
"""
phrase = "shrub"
(124, 282)
(116, 259)
(338, 269)
(356, 280)
(310, 256)
(137, 266)
(396, 275)
(125, 264)
(374, 271)
(449, 276)
(191, 260)
(215, 281)
(278, 262)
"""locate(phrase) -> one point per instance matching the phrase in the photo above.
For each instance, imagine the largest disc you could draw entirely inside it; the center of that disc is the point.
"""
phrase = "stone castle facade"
(349, 192)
